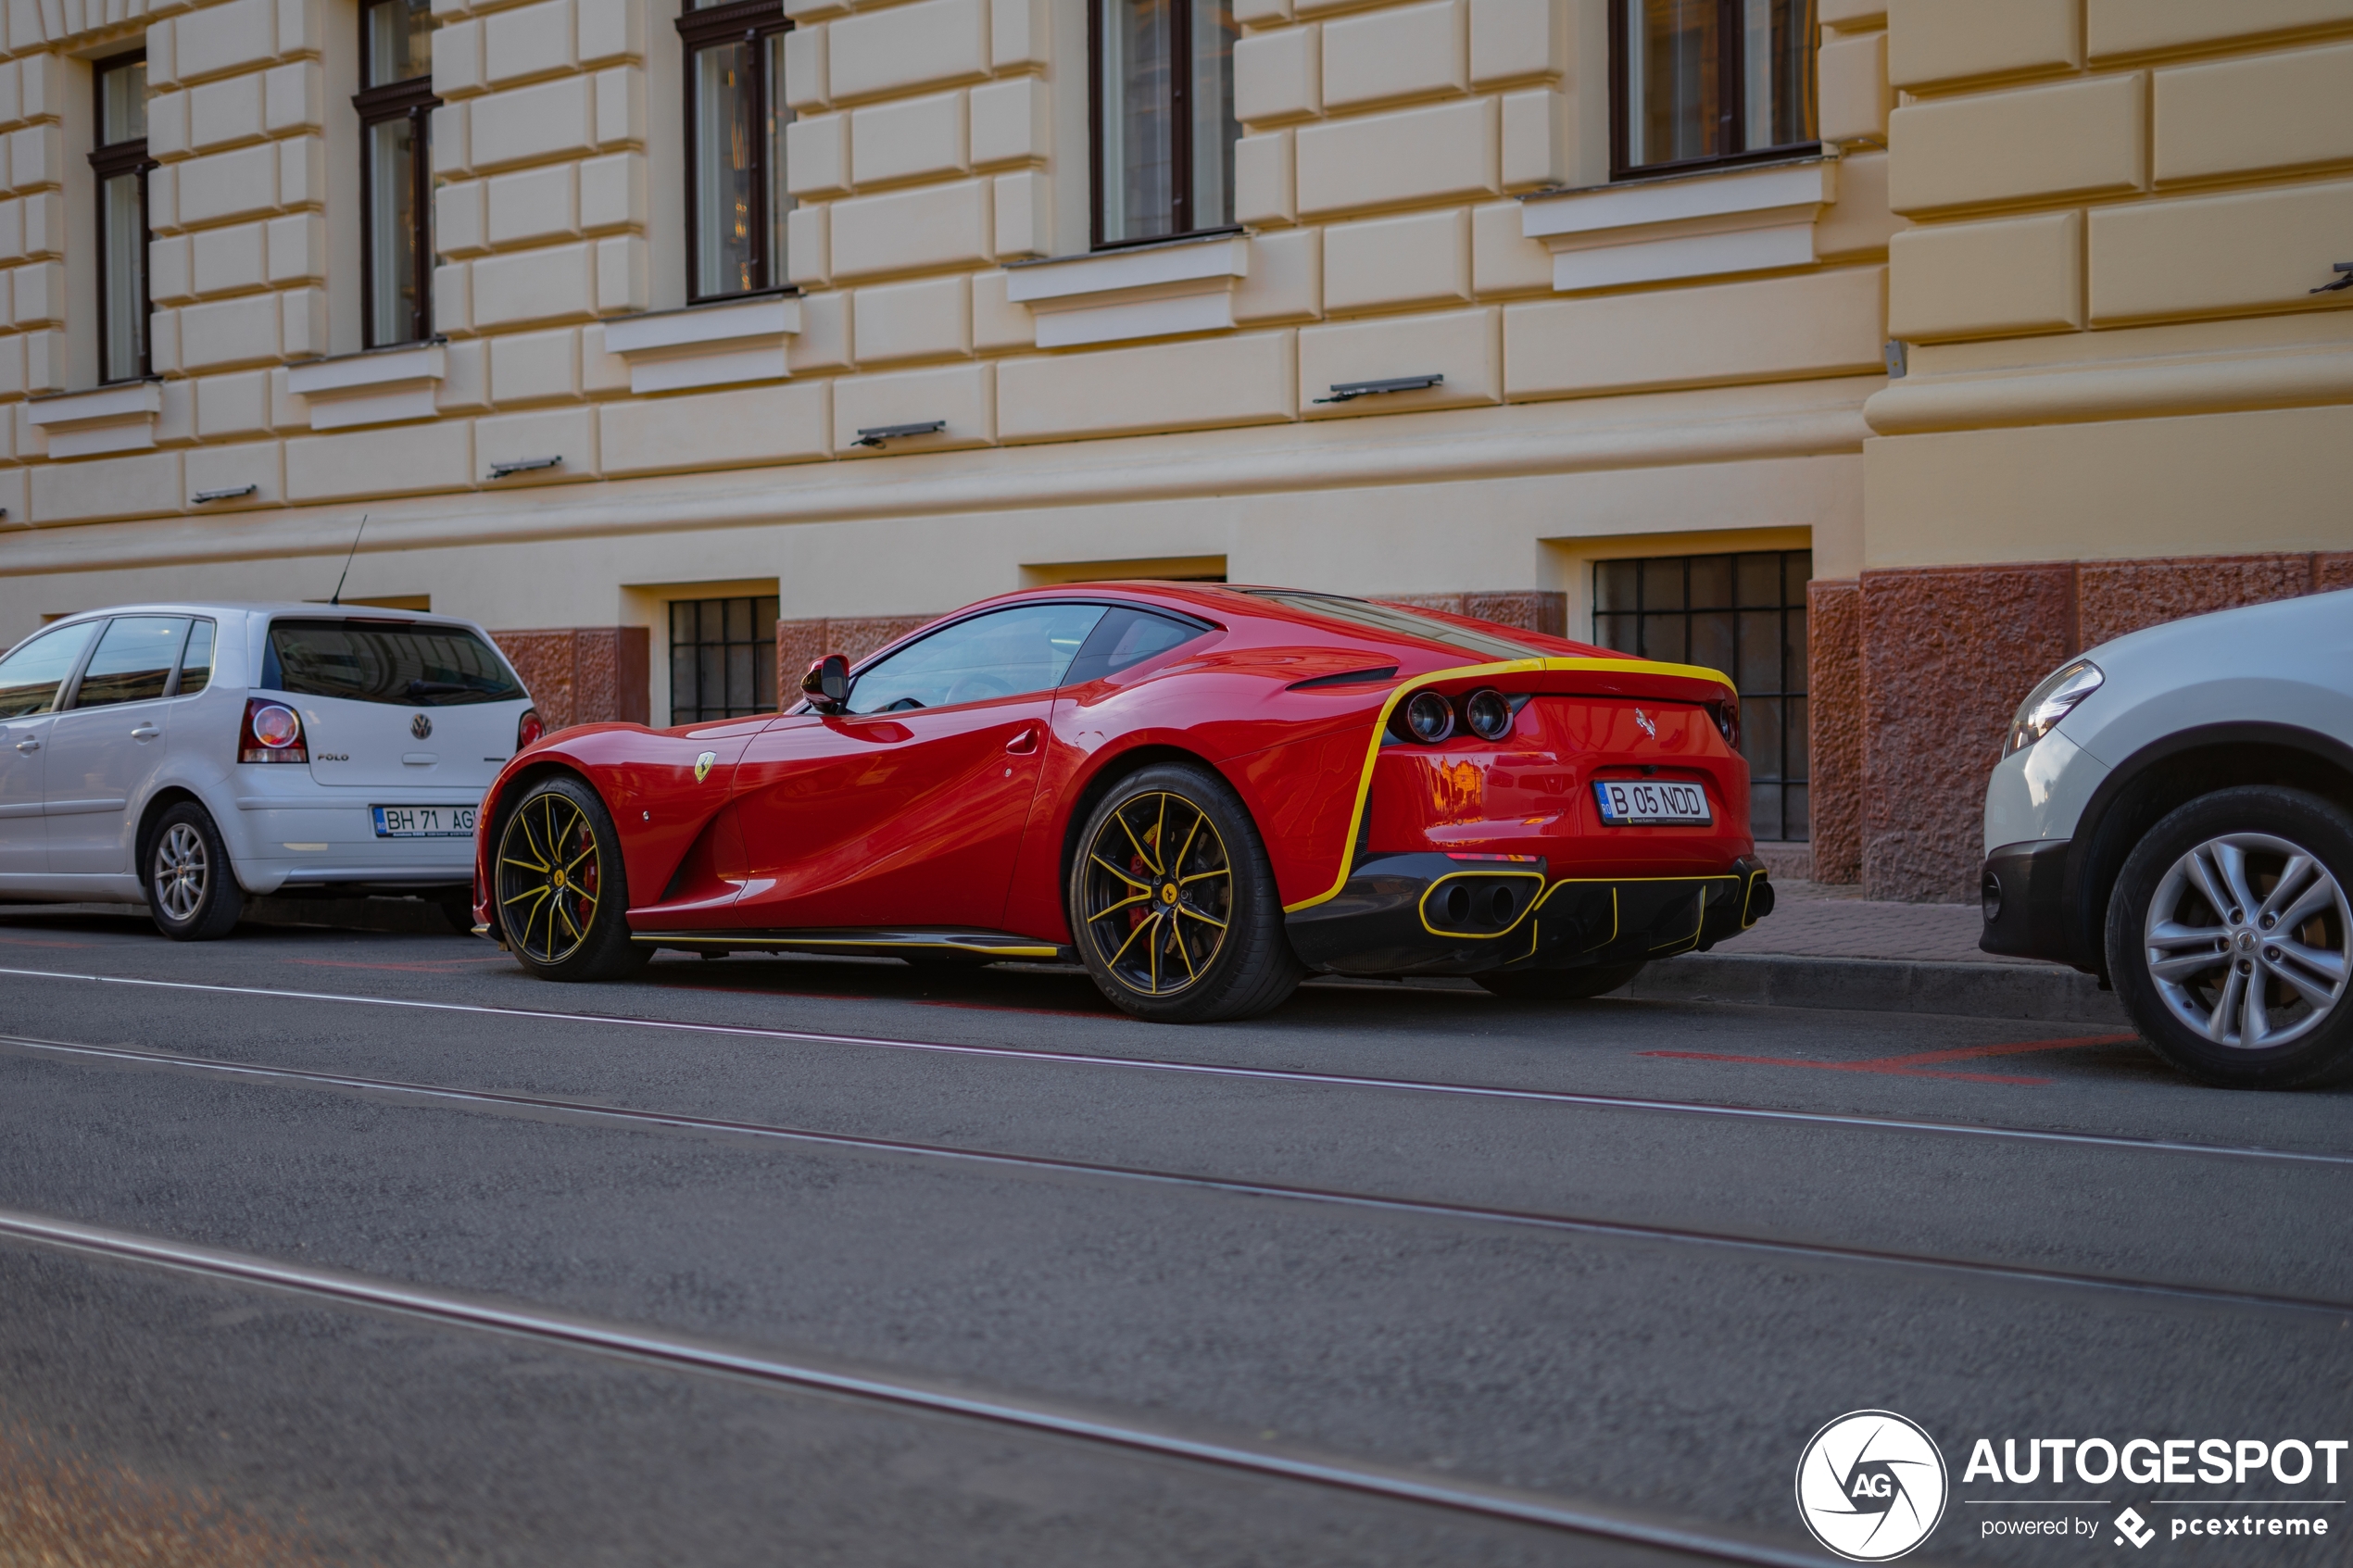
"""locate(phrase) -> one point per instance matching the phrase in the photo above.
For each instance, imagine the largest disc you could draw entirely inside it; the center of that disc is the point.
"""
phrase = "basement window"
(1744, 615)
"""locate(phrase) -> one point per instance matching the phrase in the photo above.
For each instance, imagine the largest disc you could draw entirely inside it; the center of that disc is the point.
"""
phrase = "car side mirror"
(827, 683)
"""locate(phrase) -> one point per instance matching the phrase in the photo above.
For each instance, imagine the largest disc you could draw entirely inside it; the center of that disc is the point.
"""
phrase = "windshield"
(418, 665)
(1402, 622)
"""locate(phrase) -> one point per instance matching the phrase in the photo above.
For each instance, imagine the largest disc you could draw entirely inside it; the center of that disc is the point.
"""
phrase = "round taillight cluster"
(1428, 717)
(528, 729)
(274, 725)
(271, 732)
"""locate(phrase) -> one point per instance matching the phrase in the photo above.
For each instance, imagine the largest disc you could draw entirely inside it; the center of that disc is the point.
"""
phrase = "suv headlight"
(2051, 701)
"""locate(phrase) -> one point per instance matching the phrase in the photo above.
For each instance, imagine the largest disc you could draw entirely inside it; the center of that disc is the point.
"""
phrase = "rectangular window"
(1703, 81)
(722, 658)
(736, 120)
(396, 105)
(1164, 110)
(1745, 615)
(119, 164)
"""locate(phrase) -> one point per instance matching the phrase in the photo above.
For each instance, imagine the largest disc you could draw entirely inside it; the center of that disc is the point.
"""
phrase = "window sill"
(724, 343)
(120, 418)
(1161, 290)
(1740, 218)
(374, 387)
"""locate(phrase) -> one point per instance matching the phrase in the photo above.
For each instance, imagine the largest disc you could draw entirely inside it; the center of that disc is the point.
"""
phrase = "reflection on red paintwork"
(961, 815)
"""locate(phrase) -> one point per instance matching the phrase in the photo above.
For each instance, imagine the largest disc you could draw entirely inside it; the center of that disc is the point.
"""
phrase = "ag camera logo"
(1871, 1486)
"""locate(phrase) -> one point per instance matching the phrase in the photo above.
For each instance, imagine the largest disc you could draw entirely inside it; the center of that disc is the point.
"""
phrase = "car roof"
(1228, 601)
(266, 608)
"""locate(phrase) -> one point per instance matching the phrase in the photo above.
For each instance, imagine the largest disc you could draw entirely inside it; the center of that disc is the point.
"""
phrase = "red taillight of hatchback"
(528, 729)
(272, 733)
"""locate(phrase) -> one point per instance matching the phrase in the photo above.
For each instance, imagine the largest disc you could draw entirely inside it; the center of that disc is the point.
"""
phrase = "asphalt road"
(374, 1249)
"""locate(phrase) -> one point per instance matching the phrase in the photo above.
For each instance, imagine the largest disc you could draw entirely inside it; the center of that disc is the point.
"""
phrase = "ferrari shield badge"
(702, 765)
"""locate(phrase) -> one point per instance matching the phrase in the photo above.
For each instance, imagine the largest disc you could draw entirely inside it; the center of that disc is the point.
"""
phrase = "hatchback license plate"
(1637, 802)
(424, 822)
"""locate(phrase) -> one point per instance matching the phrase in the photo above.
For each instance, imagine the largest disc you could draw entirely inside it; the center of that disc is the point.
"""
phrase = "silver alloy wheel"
(2246, 941)
(180, 868)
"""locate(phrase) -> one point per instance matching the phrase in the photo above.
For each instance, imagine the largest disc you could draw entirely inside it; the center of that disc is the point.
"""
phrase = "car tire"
(191, 889)
(563, 890)
(458, 908)
(1560, 984)
(2234, 996)
(1192, 935)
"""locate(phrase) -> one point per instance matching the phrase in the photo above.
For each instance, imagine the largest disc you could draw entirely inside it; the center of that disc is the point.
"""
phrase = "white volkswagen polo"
(188, 755)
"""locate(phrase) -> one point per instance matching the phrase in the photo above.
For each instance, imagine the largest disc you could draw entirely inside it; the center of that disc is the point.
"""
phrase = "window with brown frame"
(119, 164)
(736, 120)
(1163, 97)
(1706, 81)
(396, 105)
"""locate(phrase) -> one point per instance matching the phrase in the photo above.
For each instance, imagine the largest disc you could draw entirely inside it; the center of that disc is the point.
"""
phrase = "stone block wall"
(1916, 674)
(582, 675)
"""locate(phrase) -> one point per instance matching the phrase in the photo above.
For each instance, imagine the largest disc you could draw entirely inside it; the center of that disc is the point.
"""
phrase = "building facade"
(1880, 352)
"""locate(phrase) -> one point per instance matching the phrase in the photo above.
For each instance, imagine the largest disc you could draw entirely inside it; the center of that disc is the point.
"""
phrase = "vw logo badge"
(1871, 1486)
(420, 726)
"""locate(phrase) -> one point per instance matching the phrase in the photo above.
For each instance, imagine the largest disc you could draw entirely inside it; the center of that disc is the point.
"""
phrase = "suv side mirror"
(827, 683)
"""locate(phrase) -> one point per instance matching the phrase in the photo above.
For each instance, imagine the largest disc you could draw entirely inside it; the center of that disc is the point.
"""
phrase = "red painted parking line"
(431, 966)
(1919, 1063)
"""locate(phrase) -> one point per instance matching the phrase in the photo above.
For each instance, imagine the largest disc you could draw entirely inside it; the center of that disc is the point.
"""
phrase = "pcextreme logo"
(1871, 1486)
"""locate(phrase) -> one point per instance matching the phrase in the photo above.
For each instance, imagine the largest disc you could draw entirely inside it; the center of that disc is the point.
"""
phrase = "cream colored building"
(696, 343)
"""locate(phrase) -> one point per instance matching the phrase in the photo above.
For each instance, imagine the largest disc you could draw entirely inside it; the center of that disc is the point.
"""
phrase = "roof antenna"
(346, 559)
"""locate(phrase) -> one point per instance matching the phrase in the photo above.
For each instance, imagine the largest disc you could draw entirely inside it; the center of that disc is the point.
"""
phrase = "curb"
(2043, 992)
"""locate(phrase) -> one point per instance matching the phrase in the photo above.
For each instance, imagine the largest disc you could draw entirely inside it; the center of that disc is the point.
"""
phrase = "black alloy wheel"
(1173, 902)
(562, 894)
(1560, 984)
(192, 890)
(2228, 937)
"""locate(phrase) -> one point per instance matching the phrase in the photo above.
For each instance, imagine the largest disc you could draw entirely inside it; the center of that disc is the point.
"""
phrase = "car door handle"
(1023, 744)
(145, 732)
(29, 744)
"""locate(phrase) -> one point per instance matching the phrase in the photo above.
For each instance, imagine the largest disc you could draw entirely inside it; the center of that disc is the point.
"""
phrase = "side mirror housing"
(827, 683)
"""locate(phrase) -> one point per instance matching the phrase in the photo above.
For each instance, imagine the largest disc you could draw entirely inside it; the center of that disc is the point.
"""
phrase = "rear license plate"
(424, 822)
(1637, 802)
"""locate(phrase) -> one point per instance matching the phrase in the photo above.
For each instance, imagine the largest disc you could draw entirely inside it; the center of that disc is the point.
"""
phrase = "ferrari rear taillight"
(528, 729)
(1727, 719)
(273, 733)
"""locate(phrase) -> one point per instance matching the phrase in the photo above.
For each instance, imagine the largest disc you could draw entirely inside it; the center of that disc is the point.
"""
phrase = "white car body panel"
(2288, 663)
(282, 826)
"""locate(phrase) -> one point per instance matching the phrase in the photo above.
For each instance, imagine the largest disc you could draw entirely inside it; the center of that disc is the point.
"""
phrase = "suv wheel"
(2227, 937)
(191, 892)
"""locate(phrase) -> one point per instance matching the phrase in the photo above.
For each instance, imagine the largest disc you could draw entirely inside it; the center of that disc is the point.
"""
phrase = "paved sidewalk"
(1815, 921)
(1826, 946)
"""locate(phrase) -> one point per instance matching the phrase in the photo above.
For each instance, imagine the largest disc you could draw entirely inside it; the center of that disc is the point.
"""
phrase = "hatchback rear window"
(413, 665)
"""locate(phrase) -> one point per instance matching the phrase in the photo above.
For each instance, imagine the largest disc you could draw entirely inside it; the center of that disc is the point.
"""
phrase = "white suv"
(189, 754)
(2173, 812)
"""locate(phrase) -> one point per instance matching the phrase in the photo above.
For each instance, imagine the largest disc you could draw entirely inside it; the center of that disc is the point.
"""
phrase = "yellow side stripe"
(1474, 672)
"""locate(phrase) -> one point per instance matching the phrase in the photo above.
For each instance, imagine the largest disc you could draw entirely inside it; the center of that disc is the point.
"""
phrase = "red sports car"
(1203, 793)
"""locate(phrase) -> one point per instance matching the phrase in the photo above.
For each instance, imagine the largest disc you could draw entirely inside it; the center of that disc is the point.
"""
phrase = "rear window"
(1398, 619)
(413, 665)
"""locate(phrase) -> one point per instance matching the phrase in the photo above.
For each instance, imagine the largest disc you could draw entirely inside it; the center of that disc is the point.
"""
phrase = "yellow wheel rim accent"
(1156, 894)
(550, 877)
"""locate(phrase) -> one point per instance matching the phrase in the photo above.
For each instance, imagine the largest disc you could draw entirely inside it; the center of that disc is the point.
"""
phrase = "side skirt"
(864, 943)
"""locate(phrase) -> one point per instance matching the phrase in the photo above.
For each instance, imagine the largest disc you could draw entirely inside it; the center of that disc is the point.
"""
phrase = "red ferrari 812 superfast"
(1203, 793)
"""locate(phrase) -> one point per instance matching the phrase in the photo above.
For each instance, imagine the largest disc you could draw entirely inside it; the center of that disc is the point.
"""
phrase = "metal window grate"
(722, 658)
(1746, 615)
